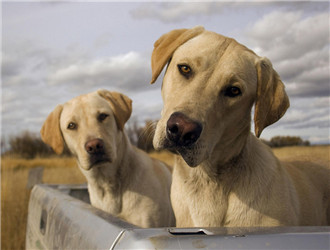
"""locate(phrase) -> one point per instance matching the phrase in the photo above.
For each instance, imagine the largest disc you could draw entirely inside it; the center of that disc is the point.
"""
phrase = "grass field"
(15, 194)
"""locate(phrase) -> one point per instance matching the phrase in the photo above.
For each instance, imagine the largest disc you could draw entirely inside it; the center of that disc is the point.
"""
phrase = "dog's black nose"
(182, 130)
(95, 146)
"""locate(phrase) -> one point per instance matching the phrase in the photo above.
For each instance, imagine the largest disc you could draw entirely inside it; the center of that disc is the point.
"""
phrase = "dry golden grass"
(15, 195)
(14, 200)
(164, 156)
(318, 154)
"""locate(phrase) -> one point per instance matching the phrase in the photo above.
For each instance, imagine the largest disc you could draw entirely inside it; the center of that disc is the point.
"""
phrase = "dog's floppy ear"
(121, 106)
(51, 131)
(271, 98)
(165, 46)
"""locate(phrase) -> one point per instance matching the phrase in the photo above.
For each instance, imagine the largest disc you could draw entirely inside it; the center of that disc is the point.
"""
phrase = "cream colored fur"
(127, 183)
(228, 177)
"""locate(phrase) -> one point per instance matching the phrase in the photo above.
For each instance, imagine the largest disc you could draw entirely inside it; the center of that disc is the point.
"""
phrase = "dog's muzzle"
(181, 131)
(96, 151)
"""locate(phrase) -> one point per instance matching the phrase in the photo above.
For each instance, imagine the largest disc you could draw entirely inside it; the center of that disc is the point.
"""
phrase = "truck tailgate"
(61, 217)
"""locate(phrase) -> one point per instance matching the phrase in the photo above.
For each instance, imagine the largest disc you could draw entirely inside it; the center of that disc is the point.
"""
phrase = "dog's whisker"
(146, 135)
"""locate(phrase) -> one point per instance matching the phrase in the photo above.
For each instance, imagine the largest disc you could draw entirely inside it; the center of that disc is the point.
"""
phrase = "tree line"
(29, 145)
(285, 141)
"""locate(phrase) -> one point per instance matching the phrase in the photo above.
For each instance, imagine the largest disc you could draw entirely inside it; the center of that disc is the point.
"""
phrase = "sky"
(54, 51)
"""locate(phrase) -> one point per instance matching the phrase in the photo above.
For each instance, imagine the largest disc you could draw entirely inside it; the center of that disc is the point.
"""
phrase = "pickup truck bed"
(61, 217)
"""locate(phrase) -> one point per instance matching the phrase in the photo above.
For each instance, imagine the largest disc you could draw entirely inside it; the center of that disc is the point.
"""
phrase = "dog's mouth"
(96, 160)
(191, 154)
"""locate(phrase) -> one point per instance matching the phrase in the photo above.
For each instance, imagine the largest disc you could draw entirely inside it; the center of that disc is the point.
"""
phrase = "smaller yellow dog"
(122, 179)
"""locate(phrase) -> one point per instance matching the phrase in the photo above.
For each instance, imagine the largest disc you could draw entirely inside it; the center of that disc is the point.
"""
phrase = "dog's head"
(209, 88)
(89, 125)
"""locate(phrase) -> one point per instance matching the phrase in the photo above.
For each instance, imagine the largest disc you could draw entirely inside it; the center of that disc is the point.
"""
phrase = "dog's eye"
(232, 91)
(72, 126)
(185, 70)
(102, 117)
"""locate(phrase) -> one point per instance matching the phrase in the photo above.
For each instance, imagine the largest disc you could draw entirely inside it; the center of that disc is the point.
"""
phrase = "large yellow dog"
(225, 175)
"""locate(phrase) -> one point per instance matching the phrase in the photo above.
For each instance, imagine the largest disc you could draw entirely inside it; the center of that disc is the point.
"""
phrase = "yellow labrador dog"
(225, 175)
(122, 179)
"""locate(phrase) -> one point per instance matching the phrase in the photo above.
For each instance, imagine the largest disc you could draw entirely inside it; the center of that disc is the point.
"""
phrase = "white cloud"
(307, 113)
(103, 40)
(68, 54)
(321, 103)
(10, 66)
(292, 67)
(325, 139)
(39, 79)
(314, 118)
(306, 117)
(298, 46)
(126, 72)
(284, 35)
(270, 29)
(175, 11)
(178, 12)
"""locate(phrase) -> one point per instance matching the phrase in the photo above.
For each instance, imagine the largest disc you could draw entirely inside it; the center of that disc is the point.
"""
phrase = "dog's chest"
(209, 205)
(205, 201)
(103, 198)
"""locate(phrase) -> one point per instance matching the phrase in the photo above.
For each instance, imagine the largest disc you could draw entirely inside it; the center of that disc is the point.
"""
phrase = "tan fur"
(159, 58)
(129, 184)
(51, 132)
(228, 177)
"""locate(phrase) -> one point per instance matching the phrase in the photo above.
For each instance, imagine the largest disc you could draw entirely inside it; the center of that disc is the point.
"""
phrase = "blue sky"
(54, 51)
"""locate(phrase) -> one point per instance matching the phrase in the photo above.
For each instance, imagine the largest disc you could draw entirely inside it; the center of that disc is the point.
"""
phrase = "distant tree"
(282, 141)
(141, 136)
(3, 145)
(146, 136)
(266, 142)
(29, 145)
(132, 130)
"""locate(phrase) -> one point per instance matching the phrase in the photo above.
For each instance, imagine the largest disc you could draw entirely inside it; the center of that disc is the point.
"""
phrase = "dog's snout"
(182, 130)
(95, 146)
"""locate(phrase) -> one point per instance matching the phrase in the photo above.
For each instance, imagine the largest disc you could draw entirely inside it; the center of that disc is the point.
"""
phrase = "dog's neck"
(236, 164)
(108, 182)
(229, 150)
